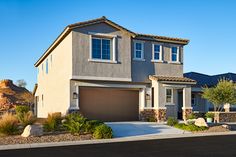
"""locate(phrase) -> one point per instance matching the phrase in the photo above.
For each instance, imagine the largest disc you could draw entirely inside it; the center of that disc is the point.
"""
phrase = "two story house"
(107, 72)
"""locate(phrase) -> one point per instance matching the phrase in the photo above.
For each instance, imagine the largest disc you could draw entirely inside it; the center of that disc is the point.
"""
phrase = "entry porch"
(170, 97)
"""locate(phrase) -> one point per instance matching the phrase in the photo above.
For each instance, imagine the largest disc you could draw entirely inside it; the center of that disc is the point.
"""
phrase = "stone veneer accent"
(225, 117)
(186, 113)
(157, 114)
(161, 115)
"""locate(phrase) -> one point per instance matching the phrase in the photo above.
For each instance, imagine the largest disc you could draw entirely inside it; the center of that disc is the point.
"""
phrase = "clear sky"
(28, 27)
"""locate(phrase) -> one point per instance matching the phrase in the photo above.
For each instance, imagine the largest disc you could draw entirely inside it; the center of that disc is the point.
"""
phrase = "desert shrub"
(27, 118)
(22, 109)
(53, 122)
(8, 124)
(74, 123)
(90, 125)
(209, 115)
(102, 132)
(190, 121)
(151, 119)
(191, 116)
(172, 121)
(190, 127)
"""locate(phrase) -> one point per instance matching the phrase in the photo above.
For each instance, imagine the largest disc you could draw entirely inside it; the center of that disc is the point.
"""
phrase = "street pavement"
(207, 146)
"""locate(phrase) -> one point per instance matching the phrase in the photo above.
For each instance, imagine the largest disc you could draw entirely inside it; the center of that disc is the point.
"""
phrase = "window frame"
(177, 54)
(142, 51)
(172, 97)
(160, 53)
(113, 40)
(101, 38)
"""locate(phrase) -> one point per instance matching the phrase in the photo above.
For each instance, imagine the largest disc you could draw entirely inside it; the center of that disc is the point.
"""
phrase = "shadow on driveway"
(128, 129)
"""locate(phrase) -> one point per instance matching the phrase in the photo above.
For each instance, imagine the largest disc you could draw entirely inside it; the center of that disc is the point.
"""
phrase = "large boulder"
(32, 130)
(200, 122)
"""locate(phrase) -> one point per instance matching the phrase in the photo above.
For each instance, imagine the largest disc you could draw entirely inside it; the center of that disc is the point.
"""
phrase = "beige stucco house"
(107, 72)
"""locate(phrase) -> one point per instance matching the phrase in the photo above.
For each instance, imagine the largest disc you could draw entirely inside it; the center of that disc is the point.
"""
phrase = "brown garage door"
(109, 104)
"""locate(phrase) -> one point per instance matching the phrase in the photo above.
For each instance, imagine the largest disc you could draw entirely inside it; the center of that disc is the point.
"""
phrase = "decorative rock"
(190, 121)
(63, 121)
(226, 126)
(32, 130)
(200, 122)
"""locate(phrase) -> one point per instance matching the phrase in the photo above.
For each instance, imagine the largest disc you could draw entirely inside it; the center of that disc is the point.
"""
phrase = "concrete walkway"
(130, 129)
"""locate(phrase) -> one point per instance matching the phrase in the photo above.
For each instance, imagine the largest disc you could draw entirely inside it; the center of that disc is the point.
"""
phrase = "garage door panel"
(108, 104)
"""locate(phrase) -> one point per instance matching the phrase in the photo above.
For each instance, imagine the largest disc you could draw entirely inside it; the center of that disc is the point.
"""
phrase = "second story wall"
(84, 67)
(54, 75)
(141, 69)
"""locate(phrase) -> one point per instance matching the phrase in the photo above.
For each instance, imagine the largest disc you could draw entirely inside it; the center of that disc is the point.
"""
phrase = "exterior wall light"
(75, 95)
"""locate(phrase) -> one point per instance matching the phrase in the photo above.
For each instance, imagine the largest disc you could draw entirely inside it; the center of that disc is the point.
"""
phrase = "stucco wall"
(142, 69)
(81, 49)
(55, 86)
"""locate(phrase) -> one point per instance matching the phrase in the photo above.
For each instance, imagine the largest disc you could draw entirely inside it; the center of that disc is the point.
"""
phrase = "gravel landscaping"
(214, 129)
(17, 139)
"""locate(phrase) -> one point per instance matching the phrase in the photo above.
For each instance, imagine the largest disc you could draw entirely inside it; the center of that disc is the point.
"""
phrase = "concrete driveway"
(129, 129)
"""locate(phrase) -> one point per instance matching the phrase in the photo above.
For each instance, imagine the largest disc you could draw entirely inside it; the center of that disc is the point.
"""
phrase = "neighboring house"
(200, 104)
(107, 72)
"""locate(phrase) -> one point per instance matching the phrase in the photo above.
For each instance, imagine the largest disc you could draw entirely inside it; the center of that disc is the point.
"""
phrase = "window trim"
(160, 53)
(112, 39)
(172, 96)
(142, 51)
(177, 55)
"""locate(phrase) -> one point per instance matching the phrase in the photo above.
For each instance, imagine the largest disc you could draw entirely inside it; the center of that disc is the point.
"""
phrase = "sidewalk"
(123, 139)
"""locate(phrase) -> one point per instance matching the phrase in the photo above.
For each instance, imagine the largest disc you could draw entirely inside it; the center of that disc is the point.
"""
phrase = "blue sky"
(28, 27)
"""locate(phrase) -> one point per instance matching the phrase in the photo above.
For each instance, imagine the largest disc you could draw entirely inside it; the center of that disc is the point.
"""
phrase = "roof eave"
(64, 33)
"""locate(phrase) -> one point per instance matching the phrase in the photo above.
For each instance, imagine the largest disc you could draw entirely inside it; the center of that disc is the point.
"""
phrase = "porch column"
(187, 107)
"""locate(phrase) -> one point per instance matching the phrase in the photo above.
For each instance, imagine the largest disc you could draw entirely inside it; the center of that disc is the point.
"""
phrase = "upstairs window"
(42, 67)
(157, 52)
(46, 66)
(175, 54)
(101, 48)
(138, 51)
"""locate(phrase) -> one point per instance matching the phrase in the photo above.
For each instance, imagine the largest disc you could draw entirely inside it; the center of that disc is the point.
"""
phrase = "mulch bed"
(214, 129)
(17, 139)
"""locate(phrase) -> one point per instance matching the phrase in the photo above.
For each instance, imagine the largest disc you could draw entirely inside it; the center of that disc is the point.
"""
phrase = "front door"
(180, 105)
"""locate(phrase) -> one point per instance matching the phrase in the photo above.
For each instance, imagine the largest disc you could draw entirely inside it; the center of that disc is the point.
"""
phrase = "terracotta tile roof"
(163, 37)
(171, 79)
(104, 19)
(70, 27)
(99, 20)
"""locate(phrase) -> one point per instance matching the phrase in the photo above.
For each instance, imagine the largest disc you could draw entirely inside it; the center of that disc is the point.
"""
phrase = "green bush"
(190, 127)
(209, 115)
(53, 122)
(90, 125)
(8, 124)
(172, 121)
(151, 119)
(22, 109)
(74, 123)
(191, 116)
(26, 118)
(102, 132)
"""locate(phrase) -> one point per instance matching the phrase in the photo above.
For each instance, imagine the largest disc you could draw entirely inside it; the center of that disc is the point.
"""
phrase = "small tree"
(223, 93)
(21, 83)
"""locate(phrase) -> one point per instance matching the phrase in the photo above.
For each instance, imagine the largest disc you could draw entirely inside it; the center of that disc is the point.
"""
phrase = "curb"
(114, 140)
